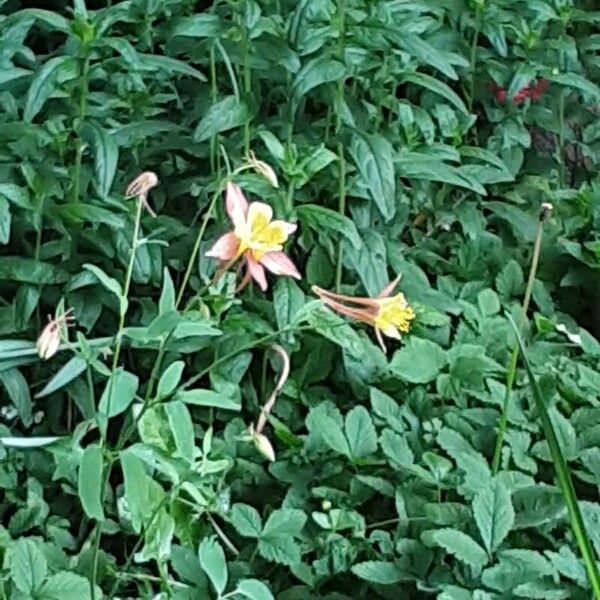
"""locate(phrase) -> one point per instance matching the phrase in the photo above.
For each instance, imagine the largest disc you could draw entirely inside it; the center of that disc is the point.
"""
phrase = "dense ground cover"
(455, 144)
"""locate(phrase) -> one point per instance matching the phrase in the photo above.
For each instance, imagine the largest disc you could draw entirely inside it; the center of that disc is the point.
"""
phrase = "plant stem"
(197, 243)
(512, 365)
(473, 57)
(560, 153)
(247, 87)
(213, 95)
(340, 146)
(82, 109)
(115, 363)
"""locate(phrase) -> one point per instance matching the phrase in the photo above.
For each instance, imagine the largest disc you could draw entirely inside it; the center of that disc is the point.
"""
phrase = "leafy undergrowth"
(180, 432)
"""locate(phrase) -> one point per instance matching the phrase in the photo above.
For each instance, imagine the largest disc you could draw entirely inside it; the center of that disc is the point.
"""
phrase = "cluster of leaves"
(125, 461)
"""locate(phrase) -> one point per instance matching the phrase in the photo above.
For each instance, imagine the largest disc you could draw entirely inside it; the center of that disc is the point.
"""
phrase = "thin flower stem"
(247, 86)
(285, 371)
(196, 248)
(213, 95)
(340, 146)
(560, 152)
(82, 109)
(512, 366)
(115, 363)
(473, 57)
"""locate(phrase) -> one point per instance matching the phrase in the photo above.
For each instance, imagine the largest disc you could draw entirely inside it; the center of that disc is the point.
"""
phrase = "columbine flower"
(256, 238)
(49, 340)
(390, 315)
(140, 187)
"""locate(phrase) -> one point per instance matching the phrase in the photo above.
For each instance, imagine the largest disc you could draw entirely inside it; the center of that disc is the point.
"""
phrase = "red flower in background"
(535, 92)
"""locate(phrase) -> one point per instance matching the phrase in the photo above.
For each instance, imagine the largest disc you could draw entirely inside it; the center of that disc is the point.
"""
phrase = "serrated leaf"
(65, 585)
(28, 566)
(246, 520)
(360, 433)
(418, 361)
(254, 590)
(378, 571)
(494, 515)
(459, 544)
(212, 561)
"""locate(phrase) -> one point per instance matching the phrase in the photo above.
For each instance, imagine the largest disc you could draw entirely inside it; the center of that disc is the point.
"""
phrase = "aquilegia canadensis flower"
(387, 314)
(256, 239)
(140, 187)
(49, 340)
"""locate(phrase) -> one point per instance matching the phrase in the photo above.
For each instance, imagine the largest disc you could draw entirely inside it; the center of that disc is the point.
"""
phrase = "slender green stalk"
(340, 146)
(512, 365)
(115, 363)
(247, 87)
(229, 67)
(196, 248)
(563, 475)
(213, 95)
(560, 149)
(82, 109)
(473, 57)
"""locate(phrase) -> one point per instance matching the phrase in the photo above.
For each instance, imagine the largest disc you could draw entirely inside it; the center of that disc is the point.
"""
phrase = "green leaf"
(204, 25)
(65, 586)
(254, 590)
(182, 428)
(396, 448)
(316, 72)
(437, 87)
(577, 82)
(18, 391)
(28, 270)
(288, 300)
(28, 566)
(459, 544)
(118, 393)
(90, 482)
(28, 442)
(72, 369)
(378, 571)
(106, 155)
(43, 84)
(419, 361)
(373, 156)
(246, 520)
(360, 432)
(170, 379)
(212, 561)
(494, 515)
(207, 398)
(284, 522)
(5, 220)
(321, 218)
(166, 302)
(226, 114)
(112, 285)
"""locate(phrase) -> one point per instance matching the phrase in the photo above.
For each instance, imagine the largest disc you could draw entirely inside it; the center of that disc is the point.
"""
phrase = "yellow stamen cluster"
(259, 234)
(394, 316)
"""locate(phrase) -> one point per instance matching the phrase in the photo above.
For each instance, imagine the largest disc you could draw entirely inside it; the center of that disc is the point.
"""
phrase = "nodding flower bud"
(262, 168)
(49, 340)
(264, 446)
(546, 211)
(140, 187)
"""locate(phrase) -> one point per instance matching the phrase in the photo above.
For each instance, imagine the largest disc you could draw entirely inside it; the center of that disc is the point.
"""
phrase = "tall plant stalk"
(340, 145)
(512, 365)
(81, 112)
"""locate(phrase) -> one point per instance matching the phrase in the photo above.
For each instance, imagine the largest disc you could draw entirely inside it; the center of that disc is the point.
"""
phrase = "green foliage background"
(395, 154)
